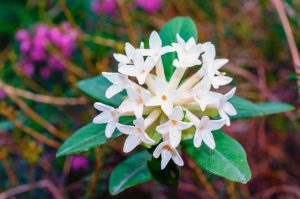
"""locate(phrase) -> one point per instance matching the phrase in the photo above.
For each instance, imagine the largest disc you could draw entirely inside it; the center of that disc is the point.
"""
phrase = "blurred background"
(46, 46)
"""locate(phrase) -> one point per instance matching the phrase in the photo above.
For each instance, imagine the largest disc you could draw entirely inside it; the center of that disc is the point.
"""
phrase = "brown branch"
(27, 187)
(42, 98)
(9, 113)
(95, 177)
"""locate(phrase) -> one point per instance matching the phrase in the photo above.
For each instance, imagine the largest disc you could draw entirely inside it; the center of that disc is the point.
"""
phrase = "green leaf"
(96, 87)
(168, 176)
(228, 159)
(247, 109)
(131, 172)
(88, 137)
(186, 28)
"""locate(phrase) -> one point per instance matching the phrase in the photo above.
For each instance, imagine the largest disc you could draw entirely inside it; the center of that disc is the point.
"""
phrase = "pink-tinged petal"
(138, 111)
(165, 158)
(210, 53)
(191, 42)
(138, 59)
(166, 49)
(220, 80)
(163, 128)
(110, 128)
(149, 64)
(224, 116)
(167, 108)
(128, 70)
(131, 142)
(197, 139)
(146, 95)
(208, 139)
(130, 50)
(218, 63)
(140, 123)
(159, 86)
(229, 109)
(115, 78)
(174, 95)
(215, 124)
(183, 125)
(193, 118)
(177, 114)
(113, 90)
(141, 77)
(127, 105)
(180, 40)
(154, 101)
(102, 107)
(174, 137)
(158, 149)
(177, 158)
(102, 118)
(128, 130)
(155, 41)
(230, 94)
(132, 94)
(145, 138)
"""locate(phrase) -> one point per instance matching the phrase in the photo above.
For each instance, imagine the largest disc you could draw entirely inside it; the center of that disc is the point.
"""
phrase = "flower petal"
(197, 139)
(177, 114)
(158, 149)
(110, 128)
(215, 124)
(102, 107)
(177, 158)
(165, 158)
(113, 90)
(163, 128)
(131, 142)
(155, 41)
(102, 118)
(174, 137)
(229, 109)
(208, 139)
(128, 130)
(128, 70)
(184, 125)
(167, 107)
(218, 63)
(145, 138)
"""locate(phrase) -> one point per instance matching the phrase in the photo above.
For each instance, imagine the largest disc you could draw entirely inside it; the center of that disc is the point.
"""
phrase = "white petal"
(165, 158)
(220, 80)
(140, 123)
(230, 94)
(130, 50)
(154, 101)
(197, 139)
(121, 58)
(166, 49)
(183, 125)
(155, 41)
(167, 107)
(163, 128)
(138, 111)
(110, 128)
(102, 118)
(177, 114)
(224, 116)
(127, 105)
(218, 63)
(128, 70)
(159, 86)
(102, 107)
(132, 94)
(210, 53)
(149, 64)
(141, 77)
(175, 137)
(177, 158)
(158, 149)
(128, 130)
(180, 40)
(145, 138)
(208, 139)
(229, 109)
(215, 124)
(113, 90)
(194, 119)
(131, 142)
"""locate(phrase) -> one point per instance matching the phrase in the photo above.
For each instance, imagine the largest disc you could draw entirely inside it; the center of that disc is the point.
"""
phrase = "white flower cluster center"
(173, 106)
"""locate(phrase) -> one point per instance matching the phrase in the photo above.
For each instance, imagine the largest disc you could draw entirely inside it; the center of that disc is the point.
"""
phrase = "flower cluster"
(34, 43)
(174, 107)
(110, 6)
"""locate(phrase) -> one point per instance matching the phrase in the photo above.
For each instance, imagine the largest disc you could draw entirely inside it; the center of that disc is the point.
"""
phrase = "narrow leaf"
(228, 159)
(247, 109)
(186, 28)
(96, 87)
(131, 172)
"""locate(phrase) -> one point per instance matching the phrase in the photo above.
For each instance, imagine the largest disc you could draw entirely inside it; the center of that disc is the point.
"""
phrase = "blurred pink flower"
(107, 6)
(2, 94)
(79, 162)
(150, 6)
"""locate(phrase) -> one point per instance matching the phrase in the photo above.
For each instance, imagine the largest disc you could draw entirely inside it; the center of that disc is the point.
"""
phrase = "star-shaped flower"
(225, 108)
(204, 127)
(140, 68)
(135, 101)
(188, 53)
(125, 59)
(167, 153)
(156, 50)
(174, 126)
(163, 96)
(119, 82)
(136, 135)
(109, 115)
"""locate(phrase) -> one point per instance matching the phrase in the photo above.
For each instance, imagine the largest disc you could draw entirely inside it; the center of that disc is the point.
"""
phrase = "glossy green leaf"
(228, 159)
(247, 109)
(131, 172)
(96, 87)
(88, 137)
(186, 28)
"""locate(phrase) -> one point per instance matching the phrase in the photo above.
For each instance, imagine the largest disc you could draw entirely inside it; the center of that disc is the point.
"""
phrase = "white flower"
(140, 68)
(211, 66)
(119, 83)
(156, 49)
(167, 152)
(163, 96)
(136, 135)
(203, 96)
(225, 108)
(174, 127)
(109, 115)
(188, 53)
(204, 126)
(135, 101)
(125, 59)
